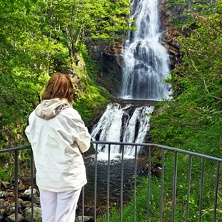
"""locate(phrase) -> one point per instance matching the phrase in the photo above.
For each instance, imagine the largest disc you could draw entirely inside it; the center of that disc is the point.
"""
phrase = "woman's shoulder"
(70, 112)
(32, 115)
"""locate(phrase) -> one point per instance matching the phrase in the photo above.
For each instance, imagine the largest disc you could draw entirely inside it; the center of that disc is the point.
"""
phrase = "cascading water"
(145, 60)
(145, 67)
(122, 125)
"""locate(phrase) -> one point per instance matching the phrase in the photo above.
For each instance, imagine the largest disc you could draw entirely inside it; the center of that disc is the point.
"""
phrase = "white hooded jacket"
(58, 136)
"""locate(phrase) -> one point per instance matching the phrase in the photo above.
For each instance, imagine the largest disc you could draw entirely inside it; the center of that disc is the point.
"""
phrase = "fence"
(186, 186)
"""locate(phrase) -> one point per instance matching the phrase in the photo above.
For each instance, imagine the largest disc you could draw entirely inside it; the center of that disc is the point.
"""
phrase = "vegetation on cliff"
(39, 38)
(192, 119)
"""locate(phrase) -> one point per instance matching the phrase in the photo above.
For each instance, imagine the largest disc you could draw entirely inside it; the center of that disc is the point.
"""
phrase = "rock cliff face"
(170, 33)
(110, 59)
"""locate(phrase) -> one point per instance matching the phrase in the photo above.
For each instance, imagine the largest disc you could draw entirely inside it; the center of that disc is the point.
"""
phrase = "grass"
(140, 207)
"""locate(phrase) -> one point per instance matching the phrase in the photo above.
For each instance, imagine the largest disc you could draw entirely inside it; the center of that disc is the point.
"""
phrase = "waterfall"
(145, 67)
(128, 124)
(145, 60)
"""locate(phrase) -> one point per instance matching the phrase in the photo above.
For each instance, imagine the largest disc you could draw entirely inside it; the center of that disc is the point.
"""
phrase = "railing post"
(149, 181)
(83, 199)
(16, 185)
(135, 178)
(188, 188)
(174, 186)
(95, 184)
(162, 186)
(32, 184)
(83, 203)
(201, 189)
(108, 182)
(216, 190)
(121, 192)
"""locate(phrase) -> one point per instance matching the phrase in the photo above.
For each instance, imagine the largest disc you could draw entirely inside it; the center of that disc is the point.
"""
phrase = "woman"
(58, 136)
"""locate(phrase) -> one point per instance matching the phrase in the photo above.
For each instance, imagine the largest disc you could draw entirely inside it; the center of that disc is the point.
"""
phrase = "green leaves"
(197, 102)
(39, 37)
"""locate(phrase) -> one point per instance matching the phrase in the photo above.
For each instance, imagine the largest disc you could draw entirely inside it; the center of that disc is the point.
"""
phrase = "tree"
(192, 119)
(73, 22)
(21, 57)
(40, 37)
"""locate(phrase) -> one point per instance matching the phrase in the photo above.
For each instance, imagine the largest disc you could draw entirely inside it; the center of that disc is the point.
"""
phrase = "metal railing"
(168, 200)
(16, 150)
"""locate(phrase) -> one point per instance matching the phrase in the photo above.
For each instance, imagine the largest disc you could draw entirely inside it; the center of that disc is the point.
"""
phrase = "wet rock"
(4, 185)
(10, 209)
(3, 204)
(27, 203)
(84, 219)
(21, 186)
(11, 218)
(2, 214)
(37, 213)
(2, 194)
(28, 194)
(36, 200)
(7, 203)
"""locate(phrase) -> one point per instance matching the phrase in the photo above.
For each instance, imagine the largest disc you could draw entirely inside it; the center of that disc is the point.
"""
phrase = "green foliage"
(38, 219)
(140, 206)
(91, 103)
(197, 102)
(192, 119)
(111, 16)
(5, 173)
(90, 99)
(184, 12)
(41, 37)
(156, 188)
(20, 76)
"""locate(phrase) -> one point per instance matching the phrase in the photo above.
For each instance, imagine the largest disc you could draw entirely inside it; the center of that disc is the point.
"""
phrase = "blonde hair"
(59, 86)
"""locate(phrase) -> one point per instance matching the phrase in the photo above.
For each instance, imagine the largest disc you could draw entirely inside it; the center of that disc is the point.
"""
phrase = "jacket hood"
(49, 108)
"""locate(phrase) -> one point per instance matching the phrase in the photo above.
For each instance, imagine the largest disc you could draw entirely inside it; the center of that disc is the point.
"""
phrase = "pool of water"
(114, 187)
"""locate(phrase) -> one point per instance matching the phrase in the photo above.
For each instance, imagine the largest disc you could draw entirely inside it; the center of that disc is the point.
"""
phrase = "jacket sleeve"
(83, 137)
(80, 133)
(27, 129)
(27, 132)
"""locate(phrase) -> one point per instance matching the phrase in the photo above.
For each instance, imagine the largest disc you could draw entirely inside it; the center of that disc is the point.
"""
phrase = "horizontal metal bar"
(132, 144)
(15, 148)
(162, 147)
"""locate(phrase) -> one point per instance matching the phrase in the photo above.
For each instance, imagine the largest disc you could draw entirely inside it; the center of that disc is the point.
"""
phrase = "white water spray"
(145, 60)
(122, 125)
